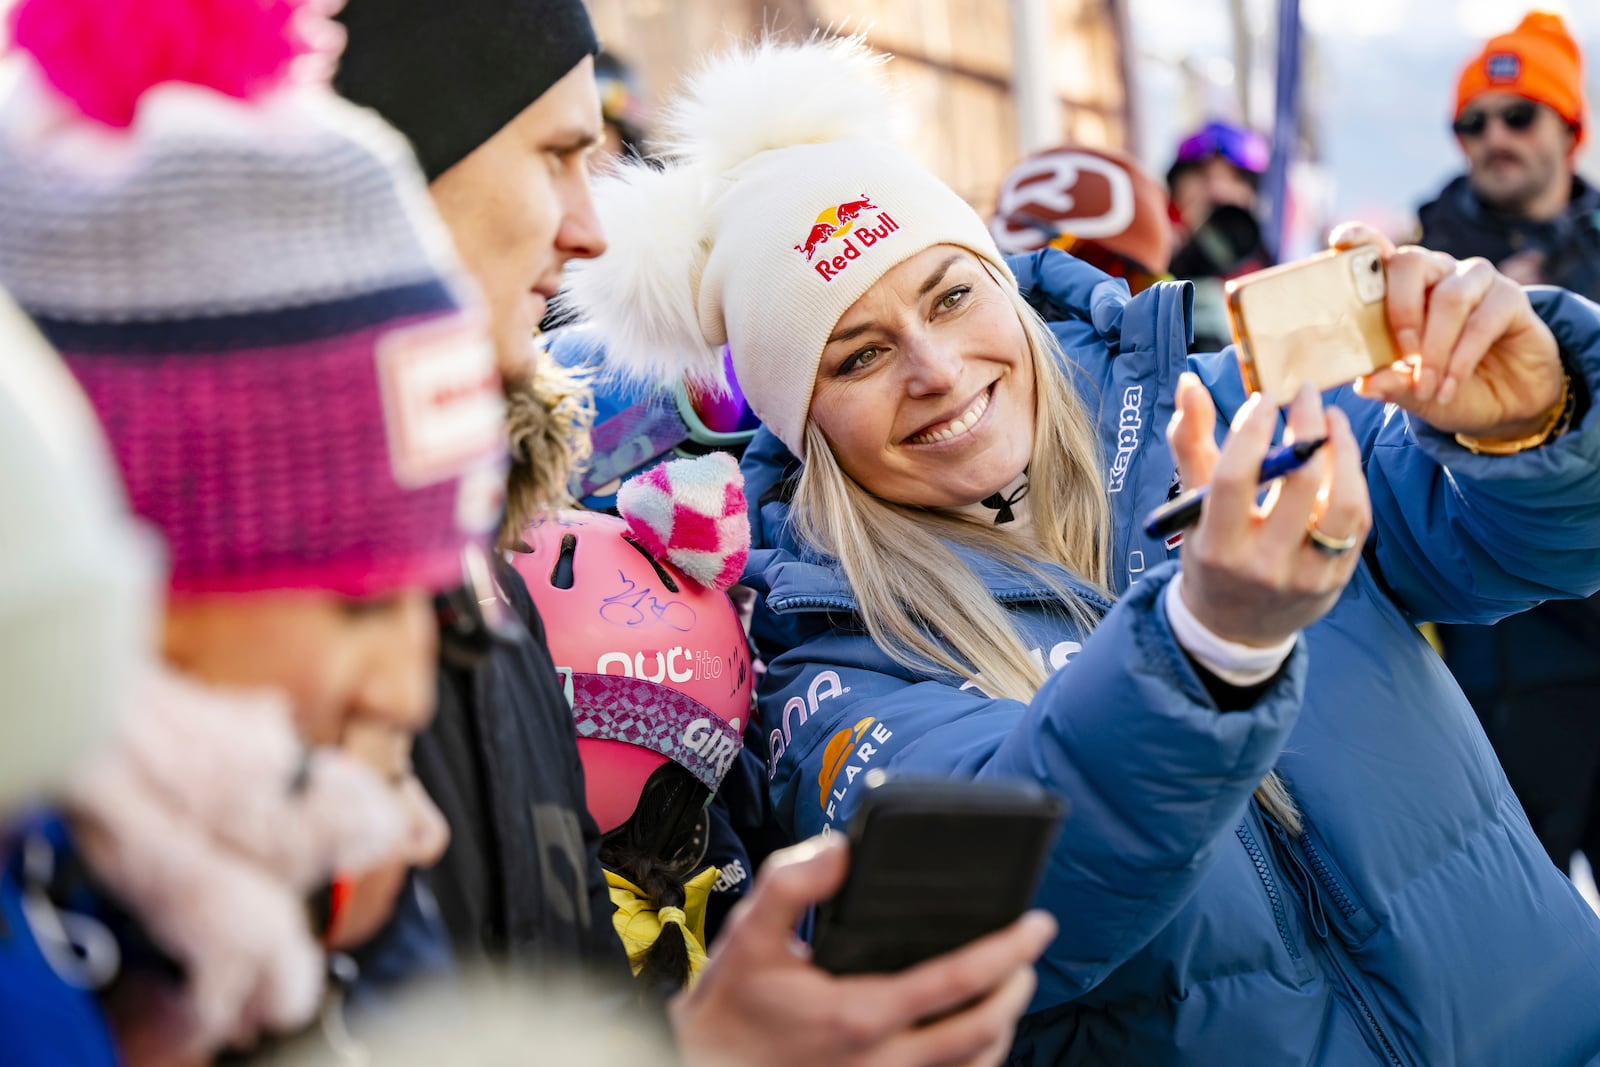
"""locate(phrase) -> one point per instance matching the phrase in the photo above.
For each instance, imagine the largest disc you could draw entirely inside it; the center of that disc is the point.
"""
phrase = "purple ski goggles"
(1245, 149)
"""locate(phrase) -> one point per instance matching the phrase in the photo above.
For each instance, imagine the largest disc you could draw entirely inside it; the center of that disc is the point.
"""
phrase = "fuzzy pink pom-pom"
(691, 513)
(103, 55)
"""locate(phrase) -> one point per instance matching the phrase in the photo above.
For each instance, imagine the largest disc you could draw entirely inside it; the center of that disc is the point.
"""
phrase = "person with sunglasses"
(1533, 678)
(1521, 204)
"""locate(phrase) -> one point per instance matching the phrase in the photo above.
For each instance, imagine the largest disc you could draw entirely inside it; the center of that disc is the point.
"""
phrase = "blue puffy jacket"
(47, 1017)
(1416, 921)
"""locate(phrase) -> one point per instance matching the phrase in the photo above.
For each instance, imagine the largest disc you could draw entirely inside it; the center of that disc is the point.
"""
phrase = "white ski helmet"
(78, 576)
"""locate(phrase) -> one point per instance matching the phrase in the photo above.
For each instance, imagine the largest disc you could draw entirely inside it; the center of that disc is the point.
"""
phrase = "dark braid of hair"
(655, 850)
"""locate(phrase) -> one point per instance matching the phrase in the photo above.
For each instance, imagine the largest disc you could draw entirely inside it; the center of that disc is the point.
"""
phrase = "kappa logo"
(1128, 425)
(844, 223)
(1503, 67)
(846, 755)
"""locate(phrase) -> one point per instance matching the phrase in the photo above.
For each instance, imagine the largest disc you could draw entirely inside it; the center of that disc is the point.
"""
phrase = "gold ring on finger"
(1330, 546)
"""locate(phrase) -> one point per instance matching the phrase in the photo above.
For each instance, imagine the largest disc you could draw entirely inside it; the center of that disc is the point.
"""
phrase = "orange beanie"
(1538, 60)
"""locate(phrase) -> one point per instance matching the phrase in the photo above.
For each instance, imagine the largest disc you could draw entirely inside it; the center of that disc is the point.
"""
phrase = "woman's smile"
(951, 429)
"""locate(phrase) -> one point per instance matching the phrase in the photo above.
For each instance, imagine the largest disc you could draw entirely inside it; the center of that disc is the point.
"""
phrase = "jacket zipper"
(1319, 864)
(1279, 915)
(1313, 900)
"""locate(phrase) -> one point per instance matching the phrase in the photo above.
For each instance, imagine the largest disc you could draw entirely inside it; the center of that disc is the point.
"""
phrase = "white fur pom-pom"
(641, 295)
(773, 94)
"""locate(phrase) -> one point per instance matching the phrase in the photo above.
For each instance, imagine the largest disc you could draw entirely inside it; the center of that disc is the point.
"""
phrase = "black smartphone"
(934, 864)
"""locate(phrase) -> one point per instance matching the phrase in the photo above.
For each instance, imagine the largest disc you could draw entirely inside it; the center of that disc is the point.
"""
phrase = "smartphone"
(1321, 319)
(934, 864)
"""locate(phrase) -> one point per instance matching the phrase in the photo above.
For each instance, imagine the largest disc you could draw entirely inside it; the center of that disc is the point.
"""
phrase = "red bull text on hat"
(844, 223)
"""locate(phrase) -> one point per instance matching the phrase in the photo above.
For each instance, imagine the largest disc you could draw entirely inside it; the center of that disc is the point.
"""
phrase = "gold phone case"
(1320, 319)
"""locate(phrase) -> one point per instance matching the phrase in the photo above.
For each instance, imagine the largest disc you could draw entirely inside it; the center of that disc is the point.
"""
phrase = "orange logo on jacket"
(846, 755)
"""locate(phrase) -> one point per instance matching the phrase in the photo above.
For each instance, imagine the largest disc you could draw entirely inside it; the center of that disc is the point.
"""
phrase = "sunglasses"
(1515, 117)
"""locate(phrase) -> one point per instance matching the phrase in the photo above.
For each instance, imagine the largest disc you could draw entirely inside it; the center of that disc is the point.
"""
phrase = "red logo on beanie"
(441, 399)
(846, 224)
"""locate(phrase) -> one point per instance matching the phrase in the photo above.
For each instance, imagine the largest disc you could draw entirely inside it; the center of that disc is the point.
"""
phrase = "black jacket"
(521, 881)
(1460, 224)
(1534, 678)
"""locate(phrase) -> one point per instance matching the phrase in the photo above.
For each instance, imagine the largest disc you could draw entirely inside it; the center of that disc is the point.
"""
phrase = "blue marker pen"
(1183, 511)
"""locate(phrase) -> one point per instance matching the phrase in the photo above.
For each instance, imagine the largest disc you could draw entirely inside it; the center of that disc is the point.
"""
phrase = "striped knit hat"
(246, 276)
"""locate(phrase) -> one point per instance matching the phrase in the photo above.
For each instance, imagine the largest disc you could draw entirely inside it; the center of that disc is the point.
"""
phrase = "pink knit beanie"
(247, 278)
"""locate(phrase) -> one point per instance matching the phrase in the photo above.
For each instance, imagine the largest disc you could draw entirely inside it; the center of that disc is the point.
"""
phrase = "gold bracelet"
(1555, 424)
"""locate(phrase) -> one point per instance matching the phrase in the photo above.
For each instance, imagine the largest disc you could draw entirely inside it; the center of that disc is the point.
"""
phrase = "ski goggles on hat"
(1517, 117)
(1245, 149)
(635, 429)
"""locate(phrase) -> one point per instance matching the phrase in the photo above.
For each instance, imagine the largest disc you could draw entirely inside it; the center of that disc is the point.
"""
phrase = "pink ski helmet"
(658, 666)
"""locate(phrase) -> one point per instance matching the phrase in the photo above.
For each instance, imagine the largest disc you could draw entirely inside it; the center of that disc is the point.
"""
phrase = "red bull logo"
(845, 224)
(820, 233)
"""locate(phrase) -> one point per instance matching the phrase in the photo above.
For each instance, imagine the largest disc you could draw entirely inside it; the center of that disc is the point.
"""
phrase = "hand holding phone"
(1322, 320)
(934, 864)
(760, 1001)
(1479, 361)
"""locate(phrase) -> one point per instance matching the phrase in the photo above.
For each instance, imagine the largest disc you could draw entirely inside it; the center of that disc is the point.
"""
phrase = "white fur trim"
(777, 94)
(641, 295)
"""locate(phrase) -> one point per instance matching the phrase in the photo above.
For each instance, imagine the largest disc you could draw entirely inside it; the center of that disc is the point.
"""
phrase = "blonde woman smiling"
(1289, 841)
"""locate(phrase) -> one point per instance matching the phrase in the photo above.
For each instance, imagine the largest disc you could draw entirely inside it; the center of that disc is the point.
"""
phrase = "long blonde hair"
(926, 608)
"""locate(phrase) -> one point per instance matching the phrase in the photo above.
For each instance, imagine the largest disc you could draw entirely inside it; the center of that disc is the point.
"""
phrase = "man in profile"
(500, 101)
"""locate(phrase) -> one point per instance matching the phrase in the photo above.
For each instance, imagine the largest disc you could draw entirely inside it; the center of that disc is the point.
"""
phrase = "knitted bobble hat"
(1538, 60)
(248, 280)
(783, 202)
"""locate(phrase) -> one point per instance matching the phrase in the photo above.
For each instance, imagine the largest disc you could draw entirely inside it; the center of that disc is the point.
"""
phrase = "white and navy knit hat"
(246, 276)
(784, 201)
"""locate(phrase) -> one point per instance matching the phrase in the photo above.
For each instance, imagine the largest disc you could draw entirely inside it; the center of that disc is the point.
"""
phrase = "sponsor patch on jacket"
(1129, 423)
(847, 754)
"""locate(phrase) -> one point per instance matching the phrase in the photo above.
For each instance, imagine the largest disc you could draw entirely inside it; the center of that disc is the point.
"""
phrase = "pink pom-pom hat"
(691, 513)
(257, 298)
(104, 55)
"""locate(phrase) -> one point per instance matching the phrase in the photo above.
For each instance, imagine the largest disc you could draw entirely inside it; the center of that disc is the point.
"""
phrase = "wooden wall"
(953, 56)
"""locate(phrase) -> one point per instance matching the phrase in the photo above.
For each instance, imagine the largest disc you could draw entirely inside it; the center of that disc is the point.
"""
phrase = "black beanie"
(450, 74)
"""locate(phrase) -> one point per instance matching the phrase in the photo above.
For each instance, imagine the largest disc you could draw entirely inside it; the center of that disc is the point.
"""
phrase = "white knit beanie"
(783, 202)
